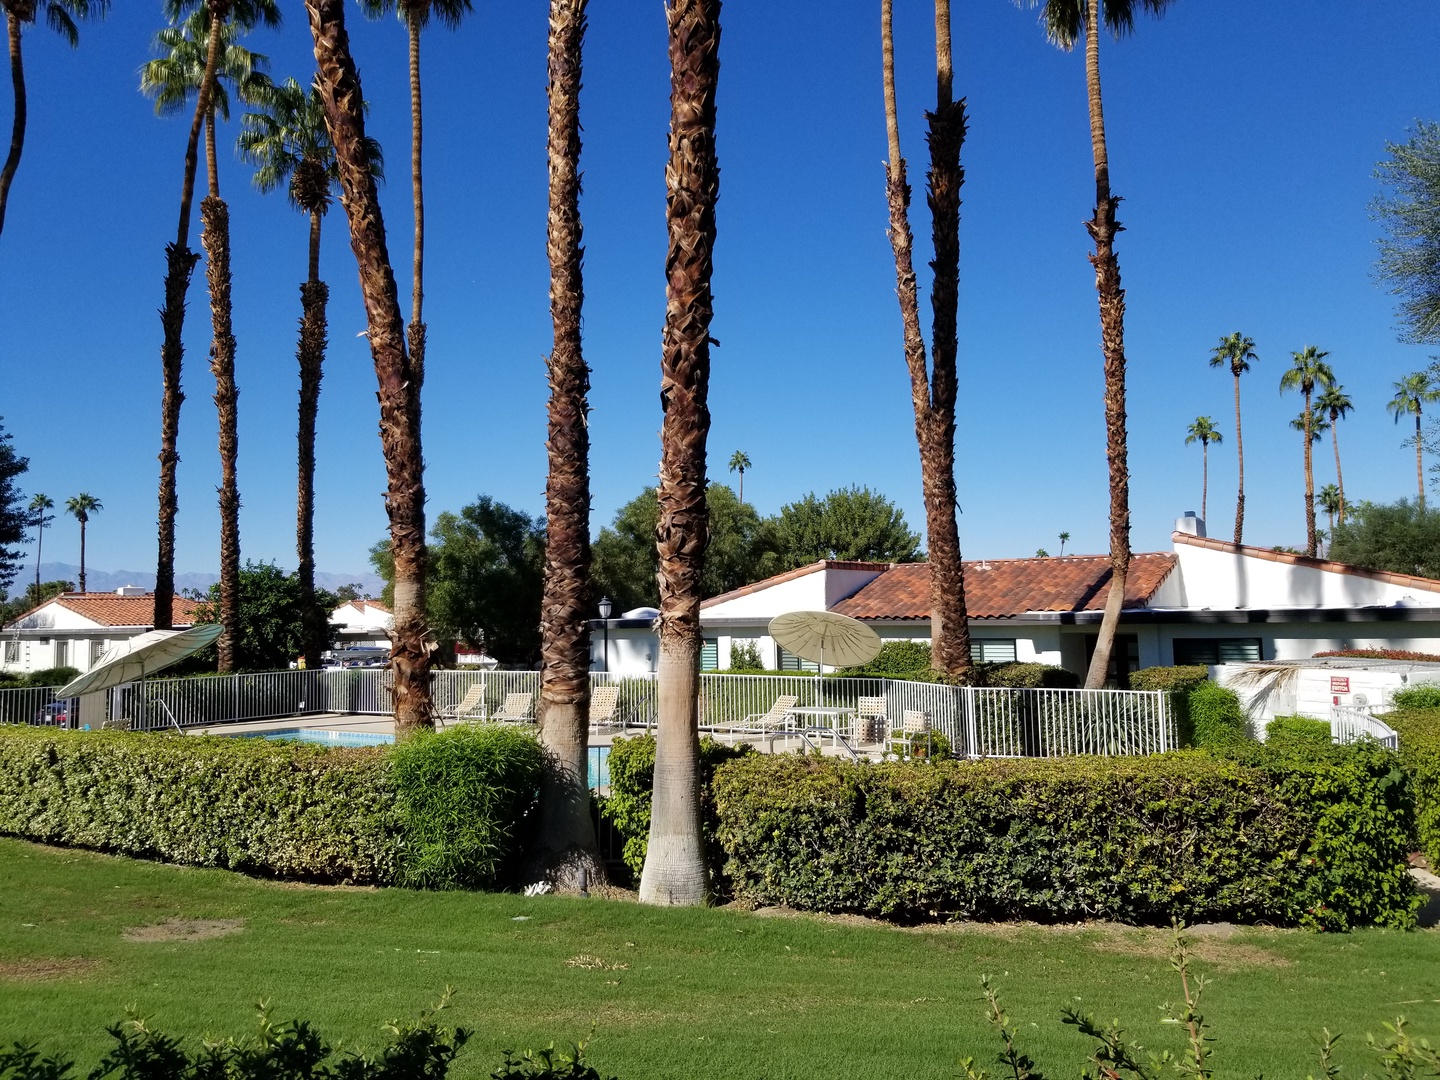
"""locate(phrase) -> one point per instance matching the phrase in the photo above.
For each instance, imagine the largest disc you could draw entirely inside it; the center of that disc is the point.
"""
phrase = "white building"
(75, 629)
(362, 624)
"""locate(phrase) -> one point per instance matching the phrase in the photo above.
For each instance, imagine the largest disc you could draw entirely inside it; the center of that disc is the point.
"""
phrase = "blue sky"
(1243, 138)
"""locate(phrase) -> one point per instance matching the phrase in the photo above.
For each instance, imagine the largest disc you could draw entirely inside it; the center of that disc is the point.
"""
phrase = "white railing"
(1351, 723)
(34, 705)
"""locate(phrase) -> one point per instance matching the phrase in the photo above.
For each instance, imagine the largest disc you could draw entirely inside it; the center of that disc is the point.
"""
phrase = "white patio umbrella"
(825, 638)
(140, 657)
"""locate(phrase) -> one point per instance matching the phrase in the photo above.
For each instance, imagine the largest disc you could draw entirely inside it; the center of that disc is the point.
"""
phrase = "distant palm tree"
(82, 506)
(1331, 501)
(1064, 22)
(1064, 539)
(40, 519)
(288, 144)
(1336, 404)
(1236, 351)
(1307, 371)
(1041, 553)
(1412, 393)
(1203, 431)
(1318, 426)
(739, 462)
(60, 16)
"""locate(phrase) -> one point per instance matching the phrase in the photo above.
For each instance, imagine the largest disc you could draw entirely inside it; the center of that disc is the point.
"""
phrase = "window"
(62, 652)
(12, 652)
(710, 654)
(97, 650)
(992, 650)
(790, 662)
(1209, 651)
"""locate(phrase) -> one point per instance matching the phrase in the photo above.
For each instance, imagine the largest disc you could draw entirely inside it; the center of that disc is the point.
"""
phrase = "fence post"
(968, 704)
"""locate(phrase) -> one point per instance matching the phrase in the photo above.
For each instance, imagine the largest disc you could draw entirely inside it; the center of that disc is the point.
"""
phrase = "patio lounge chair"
(777, 719)
(912, 722)
(516, 709)
(870, 719)
(604, 701)
(471, 707)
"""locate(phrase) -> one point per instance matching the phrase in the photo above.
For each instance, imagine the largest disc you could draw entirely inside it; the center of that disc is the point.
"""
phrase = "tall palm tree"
(675, 862)
(1064, 21)
(933, 390)
(1332, 502)
(1336, 404)
(60, 16)
(1064, 539)
(1412, 393)
(81, 507)
(415, 14)
(40, 519)
(1204, 432)
(172, 79)
(1236, 352)
(1307, 371)
(566, 846)
(289, 146)
(339, 85)
(739, 462)
(179, 265)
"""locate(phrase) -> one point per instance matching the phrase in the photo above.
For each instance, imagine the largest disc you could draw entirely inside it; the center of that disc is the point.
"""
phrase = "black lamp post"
(605, 608)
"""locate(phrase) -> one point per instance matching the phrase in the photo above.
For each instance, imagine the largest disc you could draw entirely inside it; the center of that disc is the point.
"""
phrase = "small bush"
(1381, 654)
(1180, 679)
(55, 676)
(1421, 696)
(1300, 730)
(926, 745)
(896, 660)
(1419, 731)
(1216, 716)
(460, 797)
(745, 654)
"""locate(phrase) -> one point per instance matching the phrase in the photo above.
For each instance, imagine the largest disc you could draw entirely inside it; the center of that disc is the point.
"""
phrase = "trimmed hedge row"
(430, 812)
(1419, 731)
(1135, 839)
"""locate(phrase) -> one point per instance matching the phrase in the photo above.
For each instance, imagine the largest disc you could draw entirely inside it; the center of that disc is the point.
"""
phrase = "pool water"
(599, 755)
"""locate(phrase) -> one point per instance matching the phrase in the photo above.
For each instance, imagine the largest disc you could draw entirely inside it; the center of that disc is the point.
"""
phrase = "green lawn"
(700, 995)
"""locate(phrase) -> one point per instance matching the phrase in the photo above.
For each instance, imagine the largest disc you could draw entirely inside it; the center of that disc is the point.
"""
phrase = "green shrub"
(55, 676)
(896, 660)
(926, 745)
(1419, 731)
(460, 797)
(1018, 676)
(745, 655)
(1137, 839)
(1216, 716)
(1180, 679)
(1423, 696)
(632, 785)
(1303, 730)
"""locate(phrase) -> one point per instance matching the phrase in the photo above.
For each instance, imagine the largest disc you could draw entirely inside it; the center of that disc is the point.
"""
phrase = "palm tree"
(1336, 404)
(1237, 352)
(289, 146)
(933, 389)
(1318, 426)
(179, 265)
(739, 462)
(566, 843)
(1332, 502)
(1204, 432)
(40, 519)
(415, 14)
(60, 16)
(1064, 21)
(1064, 539)
(82, 506)
(675, 861)
(339, 85)
(1412, 393)
(1308, 370)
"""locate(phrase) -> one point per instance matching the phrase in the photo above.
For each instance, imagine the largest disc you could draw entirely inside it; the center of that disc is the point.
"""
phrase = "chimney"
(1191, 524)
(131, 590)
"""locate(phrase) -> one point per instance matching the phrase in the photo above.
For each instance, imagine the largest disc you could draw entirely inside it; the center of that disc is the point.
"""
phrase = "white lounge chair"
(516, 710)
(470, 708)
(604, 701)
(777, 719)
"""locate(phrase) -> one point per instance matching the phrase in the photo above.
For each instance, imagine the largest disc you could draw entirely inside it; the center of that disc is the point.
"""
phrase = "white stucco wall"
(1228, 579)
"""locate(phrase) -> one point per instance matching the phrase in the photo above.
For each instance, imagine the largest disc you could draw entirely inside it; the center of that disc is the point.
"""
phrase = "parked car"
(57, 713)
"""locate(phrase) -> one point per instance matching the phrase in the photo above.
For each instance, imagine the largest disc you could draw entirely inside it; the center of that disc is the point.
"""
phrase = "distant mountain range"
(110, 580)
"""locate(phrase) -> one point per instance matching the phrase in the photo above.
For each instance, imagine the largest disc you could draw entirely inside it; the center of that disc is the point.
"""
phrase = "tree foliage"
(31, 598)
(1410, 215)
(851, 523)
(272, 618)
(1400, 537)
(14, 516)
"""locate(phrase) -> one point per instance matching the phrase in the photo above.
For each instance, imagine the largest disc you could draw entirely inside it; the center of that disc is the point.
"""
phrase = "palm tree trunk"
(1102, 231)
(82, 555)
(215, 236)
(417, 297)
(933, 401)
(675, 863)
(179, 265)
(742, 487)
(399, 426)
(566, 841)
(1204, 476)
(1339, 476)
(314, 296)
(1309, 485)
(39, 547)
(1240, 457)
(17, 126)
(1419, 460)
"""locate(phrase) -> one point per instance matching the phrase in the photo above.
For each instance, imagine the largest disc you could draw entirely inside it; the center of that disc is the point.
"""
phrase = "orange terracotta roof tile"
(107, 609)
(1000, 588)
(1330, 567)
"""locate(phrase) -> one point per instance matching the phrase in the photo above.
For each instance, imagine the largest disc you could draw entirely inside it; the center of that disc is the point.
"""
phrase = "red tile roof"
(998, 588)
(1270, 555)
(791, 575)
(107, 609)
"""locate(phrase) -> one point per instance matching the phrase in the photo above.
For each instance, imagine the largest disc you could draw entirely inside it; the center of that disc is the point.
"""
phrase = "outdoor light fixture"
(605, 609)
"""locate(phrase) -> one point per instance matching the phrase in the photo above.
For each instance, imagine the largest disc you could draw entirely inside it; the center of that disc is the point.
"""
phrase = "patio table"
(840, 717)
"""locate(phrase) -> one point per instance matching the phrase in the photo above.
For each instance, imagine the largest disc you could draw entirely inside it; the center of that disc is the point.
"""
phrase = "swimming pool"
(599, 755)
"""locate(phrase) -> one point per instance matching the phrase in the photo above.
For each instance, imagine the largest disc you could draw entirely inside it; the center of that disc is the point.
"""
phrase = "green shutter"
(710, 654)
(992, 650)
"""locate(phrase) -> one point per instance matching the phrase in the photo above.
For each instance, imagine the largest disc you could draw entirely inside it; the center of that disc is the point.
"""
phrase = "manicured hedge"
(439, 812)
(1216, 717)
(1419, 731)
(1303, 729)
(1135, 839)
(1179, 682)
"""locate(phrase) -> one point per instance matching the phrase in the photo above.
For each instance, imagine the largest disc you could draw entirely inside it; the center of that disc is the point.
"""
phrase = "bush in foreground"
(1216, 716)
(1419, 731)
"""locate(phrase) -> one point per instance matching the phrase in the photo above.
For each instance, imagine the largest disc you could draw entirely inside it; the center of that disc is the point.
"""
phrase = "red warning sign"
(1340, 684)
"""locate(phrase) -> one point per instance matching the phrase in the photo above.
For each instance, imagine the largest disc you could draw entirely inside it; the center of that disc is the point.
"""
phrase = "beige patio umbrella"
(825, 638)
(140, 657)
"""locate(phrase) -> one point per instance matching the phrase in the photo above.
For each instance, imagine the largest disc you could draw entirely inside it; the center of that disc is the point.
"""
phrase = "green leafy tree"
(14, 517)
(850, 524)
(1236, 352)
(33, 596)
(1401, 537)
(1204, 432)
(1336, 404)
(739, 462)
(1412, 394)
(60, 16)
(81, 507)
(1308, 370)
(274, 615)
(40, 520)
(1329, 500)
(1410, 214)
